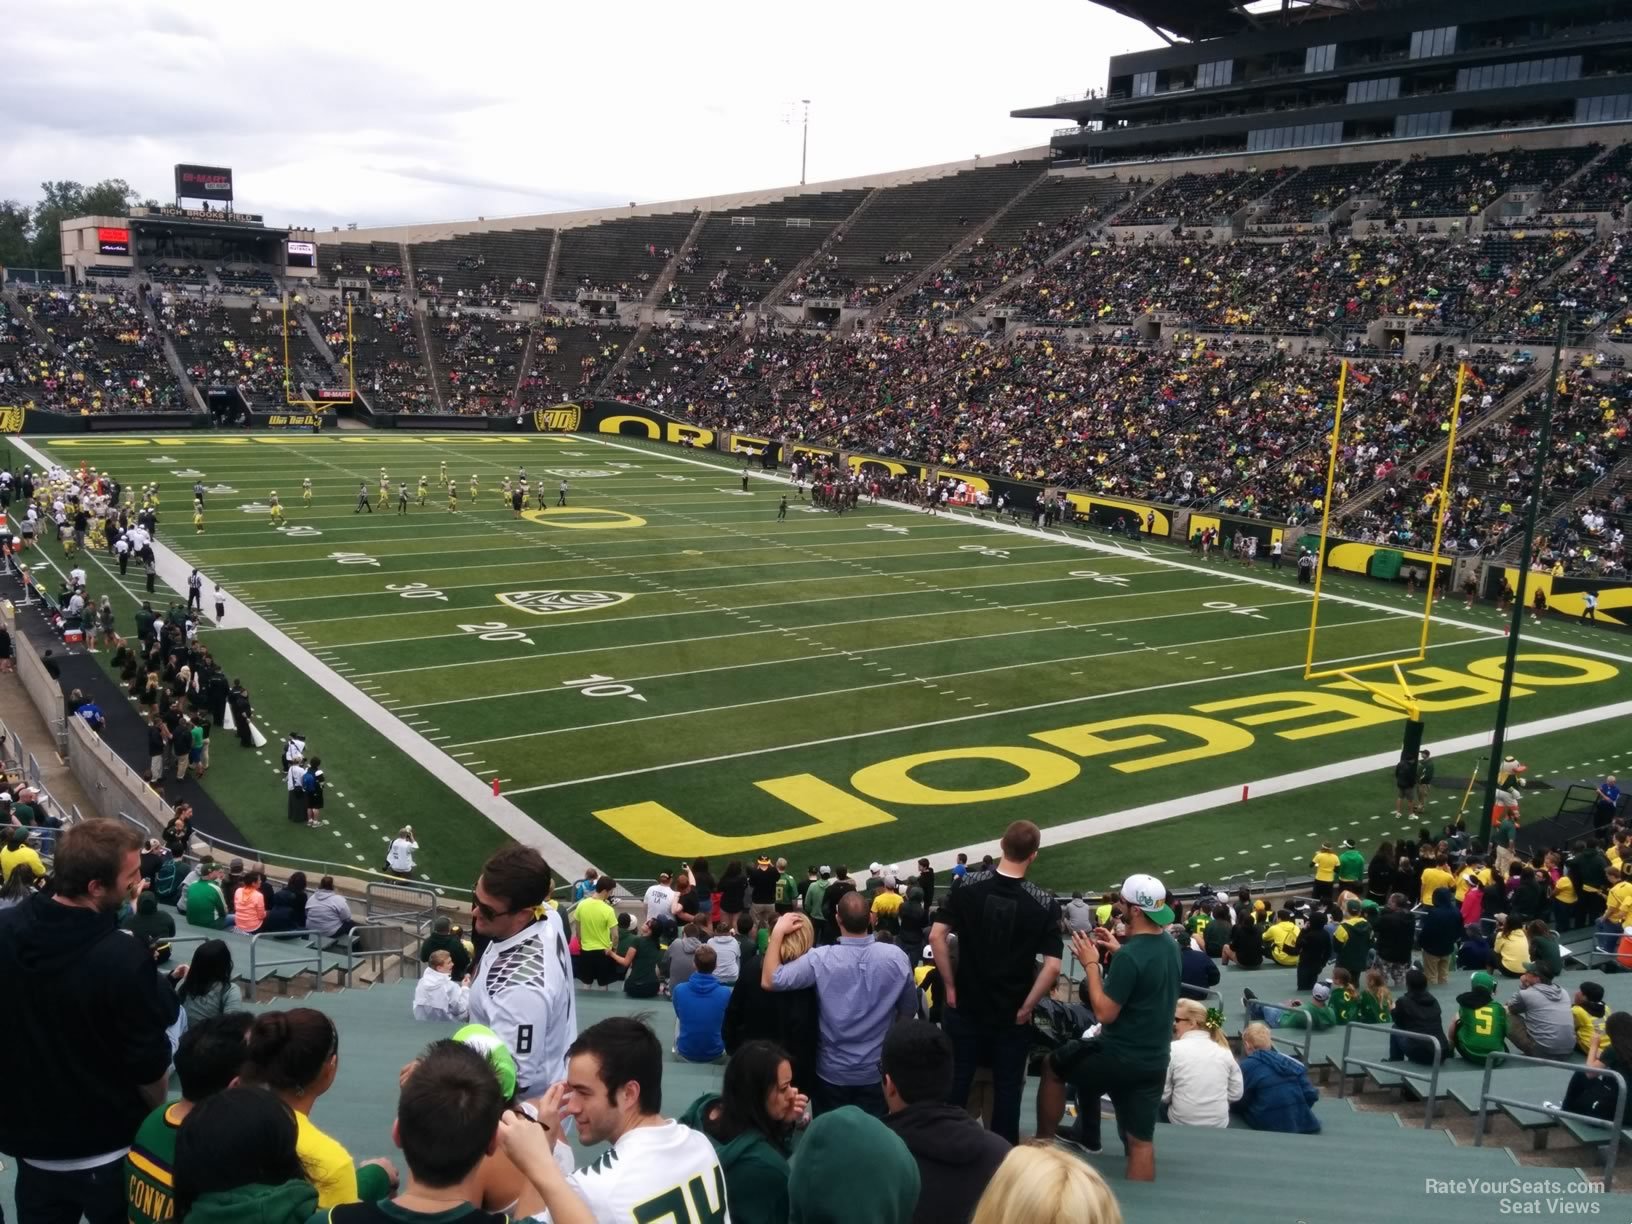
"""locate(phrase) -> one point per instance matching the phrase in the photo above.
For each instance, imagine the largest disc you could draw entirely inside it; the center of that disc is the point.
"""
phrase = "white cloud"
(423, 111)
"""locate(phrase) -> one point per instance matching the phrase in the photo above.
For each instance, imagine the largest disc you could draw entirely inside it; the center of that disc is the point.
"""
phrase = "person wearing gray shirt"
(862, 987)
(1079, 915)
(1540, 1022)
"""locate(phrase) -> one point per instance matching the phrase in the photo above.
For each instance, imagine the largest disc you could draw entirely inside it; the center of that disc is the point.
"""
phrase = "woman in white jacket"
(1202, 1075)
(438, 996)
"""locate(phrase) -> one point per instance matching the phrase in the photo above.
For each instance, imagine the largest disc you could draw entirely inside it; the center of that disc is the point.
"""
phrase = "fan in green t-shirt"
(1480, 1027)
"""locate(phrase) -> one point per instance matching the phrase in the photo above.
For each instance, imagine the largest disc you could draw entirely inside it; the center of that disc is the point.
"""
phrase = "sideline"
(565, 862)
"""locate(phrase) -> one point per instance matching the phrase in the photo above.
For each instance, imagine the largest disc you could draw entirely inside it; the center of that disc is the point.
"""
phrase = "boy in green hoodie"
(1480, 1027)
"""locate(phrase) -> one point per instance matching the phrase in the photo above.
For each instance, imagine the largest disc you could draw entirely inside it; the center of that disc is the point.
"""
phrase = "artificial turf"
(761, 679)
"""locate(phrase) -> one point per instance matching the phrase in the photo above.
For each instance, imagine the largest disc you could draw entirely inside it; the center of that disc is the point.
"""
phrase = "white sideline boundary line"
(565, 862)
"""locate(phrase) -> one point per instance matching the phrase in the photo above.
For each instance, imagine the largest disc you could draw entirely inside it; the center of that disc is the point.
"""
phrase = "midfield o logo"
(543, 603)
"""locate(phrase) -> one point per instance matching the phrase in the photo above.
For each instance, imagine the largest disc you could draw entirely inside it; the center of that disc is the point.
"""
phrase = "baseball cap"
(1483, 980)
(1322, 992)
(1145, 892)
(824, 870)
(874, 868)
(929, 954)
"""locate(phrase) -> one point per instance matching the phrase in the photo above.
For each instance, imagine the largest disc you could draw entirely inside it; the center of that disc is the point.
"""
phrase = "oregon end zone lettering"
(665, 431)
(1137, 742)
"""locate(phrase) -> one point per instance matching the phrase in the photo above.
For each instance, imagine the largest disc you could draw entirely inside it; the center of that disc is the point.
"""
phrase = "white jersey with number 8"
(522, 990)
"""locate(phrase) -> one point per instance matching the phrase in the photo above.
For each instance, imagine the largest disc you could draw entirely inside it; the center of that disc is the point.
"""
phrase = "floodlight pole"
(1543, 436)
(804, 141)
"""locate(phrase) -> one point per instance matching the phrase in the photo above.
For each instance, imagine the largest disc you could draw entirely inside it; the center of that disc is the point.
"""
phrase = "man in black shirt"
(1003, 924)
(762, 878)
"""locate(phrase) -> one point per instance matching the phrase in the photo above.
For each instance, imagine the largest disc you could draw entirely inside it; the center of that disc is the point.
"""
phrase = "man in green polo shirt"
(1134, 1002)
(211, 1053)
(205, 905)
(1351, 869)
(596, 919)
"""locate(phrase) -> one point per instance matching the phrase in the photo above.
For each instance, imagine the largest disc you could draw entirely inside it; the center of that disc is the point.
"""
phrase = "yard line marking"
(938, 722)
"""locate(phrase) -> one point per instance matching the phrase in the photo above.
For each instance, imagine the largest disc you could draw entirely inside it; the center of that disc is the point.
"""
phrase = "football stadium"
(1224, 496)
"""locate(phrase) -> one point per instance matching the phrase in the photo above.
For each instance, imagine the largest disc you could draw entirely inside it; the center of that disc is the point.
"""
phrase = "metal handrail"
(315, 948)
(1613, 1124)
(1402, 1070)
(1308, 1031)
(377, 904)
(346, 958)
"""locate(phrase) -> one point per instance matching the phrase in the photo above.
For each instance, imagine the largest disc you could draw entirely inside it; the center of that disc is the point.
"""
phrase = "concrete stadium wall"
(115, 789)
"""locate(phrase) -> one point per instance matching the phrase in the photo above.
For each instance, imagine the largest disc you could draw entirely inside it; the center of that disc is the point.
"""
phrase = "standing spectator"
(443, 939)
(1539, 1020)
(1605, 801)
(1008, 958)
(596, 921)
(956, 1156)
(1325, 867)
(1134, 1003)
(312, 782)
(207, 1061)
(582, 888)
(926, 881)
(1202, 1076)
(1276, 1094)
(327, 912)
(399, 859)
(699, 1010)
(1417, 1011)
(787, 1018)
(208, 989)
(522, 988)
(762, 880)
(861, 987)
(787, 894)
(1396, 929)
(1351, 870)
(178, 834)
(733, 895)
(814, 901)
(85, 1000)
(295, 1055)
(659, 901)
(1440, 927)
(750, 1123)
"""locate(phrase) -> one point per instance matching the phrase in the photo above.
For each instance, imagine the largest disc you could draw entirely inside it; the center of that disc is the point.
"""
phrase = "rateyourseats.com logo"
(1524, 1195)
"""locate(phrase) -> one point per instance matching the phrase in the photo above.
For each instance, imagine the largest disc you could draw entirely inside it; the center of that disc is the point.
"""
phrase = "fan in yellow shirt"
(1281, 940)
(1325, 865)
(1434, 877)
(1469, 876)
(1618, 908)
(18, 851)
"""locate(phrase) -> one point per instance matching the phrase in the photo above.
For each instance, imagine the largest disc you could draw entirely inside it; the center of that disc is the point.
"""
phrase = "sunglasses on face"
(484, 910)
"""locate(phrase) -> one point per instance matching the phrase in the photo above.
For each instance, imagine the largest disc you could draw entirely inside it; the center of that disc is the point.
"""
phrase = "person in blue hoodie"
(1441, 928)
(1276, 1092)
(699, 1011)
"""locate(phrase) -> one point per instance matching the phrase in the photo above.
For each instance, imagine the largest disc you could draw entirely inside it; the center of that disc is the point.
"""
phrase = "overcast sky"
(380, 114)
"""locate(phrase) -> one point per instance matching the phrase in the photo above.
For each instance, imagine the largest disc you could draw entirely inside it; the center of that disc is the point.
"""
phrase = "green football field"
(665, 669)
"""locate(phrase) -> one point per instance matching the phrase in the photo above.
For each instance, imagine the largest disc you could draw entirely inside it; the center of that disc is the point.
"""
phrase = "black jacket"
(956, 1157)
(84, 999)
(1418, 1012)
(787, 1017)
(1441, 925)
(1396, 931)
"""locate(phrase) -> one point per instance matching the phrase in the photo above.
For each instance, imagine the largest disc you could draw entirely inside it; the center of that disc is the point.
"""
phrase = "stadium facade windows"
(1440, 41)
(1144, 84)
(1320, 59)
(1604, 108)
(1214, 74)
(1427, 123)
(1377, 89)
(1263, 140)
(1520, 73)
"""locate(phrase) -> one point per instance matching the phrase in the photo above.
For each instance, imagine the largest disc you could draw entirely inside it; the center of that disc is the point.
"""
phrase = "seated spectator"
(208, 989)
(1294, 1013)
(847, 1146)
(287, 909)
(727, 954)
(1246, 947)
(249, 904)
(205, 905)
(1588, 1012)
(1345, 1001)
(1281, 940)
(1276, 1094)
(749, 1122)
(1475, 950)
(1480, 1027)
(786, 1017)
(1544, 949)
(150, 924)
(1196, 969)
(1314, 948)
(1202, 1075)
(683, 953)
(444, 938)
(327, 912)
(207, 1061)
(1512, 947)
(956, 1156)
(296, 1055)
(639, 960)
(452, 1121)
(1376, 1003)
(1396, 931)
(20, 885)
(1041, 1183)
(237, 1159)
(18, 850)
(1417, 1011)
(1539, 1020)
(699, 1011)
(1595, 1095)
(438, 996)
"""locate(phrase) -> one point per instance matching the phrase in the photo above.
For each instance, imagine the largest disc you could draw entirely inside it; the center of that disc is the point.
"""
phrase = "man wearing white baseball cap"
(1133, 1002)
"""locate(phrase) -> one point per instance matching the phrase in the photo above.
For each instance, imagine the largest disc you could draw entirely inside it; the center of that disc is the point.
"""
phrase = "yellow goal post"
(350, 364)
(1441, 500)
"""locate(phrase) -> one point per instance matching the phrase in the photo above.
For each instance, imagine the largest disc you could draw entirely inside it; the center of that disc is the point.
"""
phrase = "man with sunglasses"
(522, 988)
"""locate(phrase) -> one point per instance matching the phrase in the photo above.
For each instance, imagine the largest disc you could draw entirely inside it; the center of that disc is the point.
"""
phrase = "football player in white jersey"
(656, 1168)
(522, 988)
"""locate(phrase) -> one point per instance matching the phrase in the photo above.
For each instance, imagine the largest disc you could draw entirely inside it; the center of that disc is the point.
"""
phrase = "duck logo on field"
(544, 603)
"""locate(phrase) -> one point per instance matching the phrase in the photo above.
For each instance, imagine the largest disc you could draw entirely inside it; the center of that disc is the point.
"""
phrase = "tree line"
(28, 232)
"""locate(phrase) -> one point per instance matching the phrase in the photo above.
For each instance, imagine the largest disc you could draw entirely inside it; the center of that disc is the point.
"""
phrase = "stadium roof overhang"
(198, 227)
(1193, 20)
